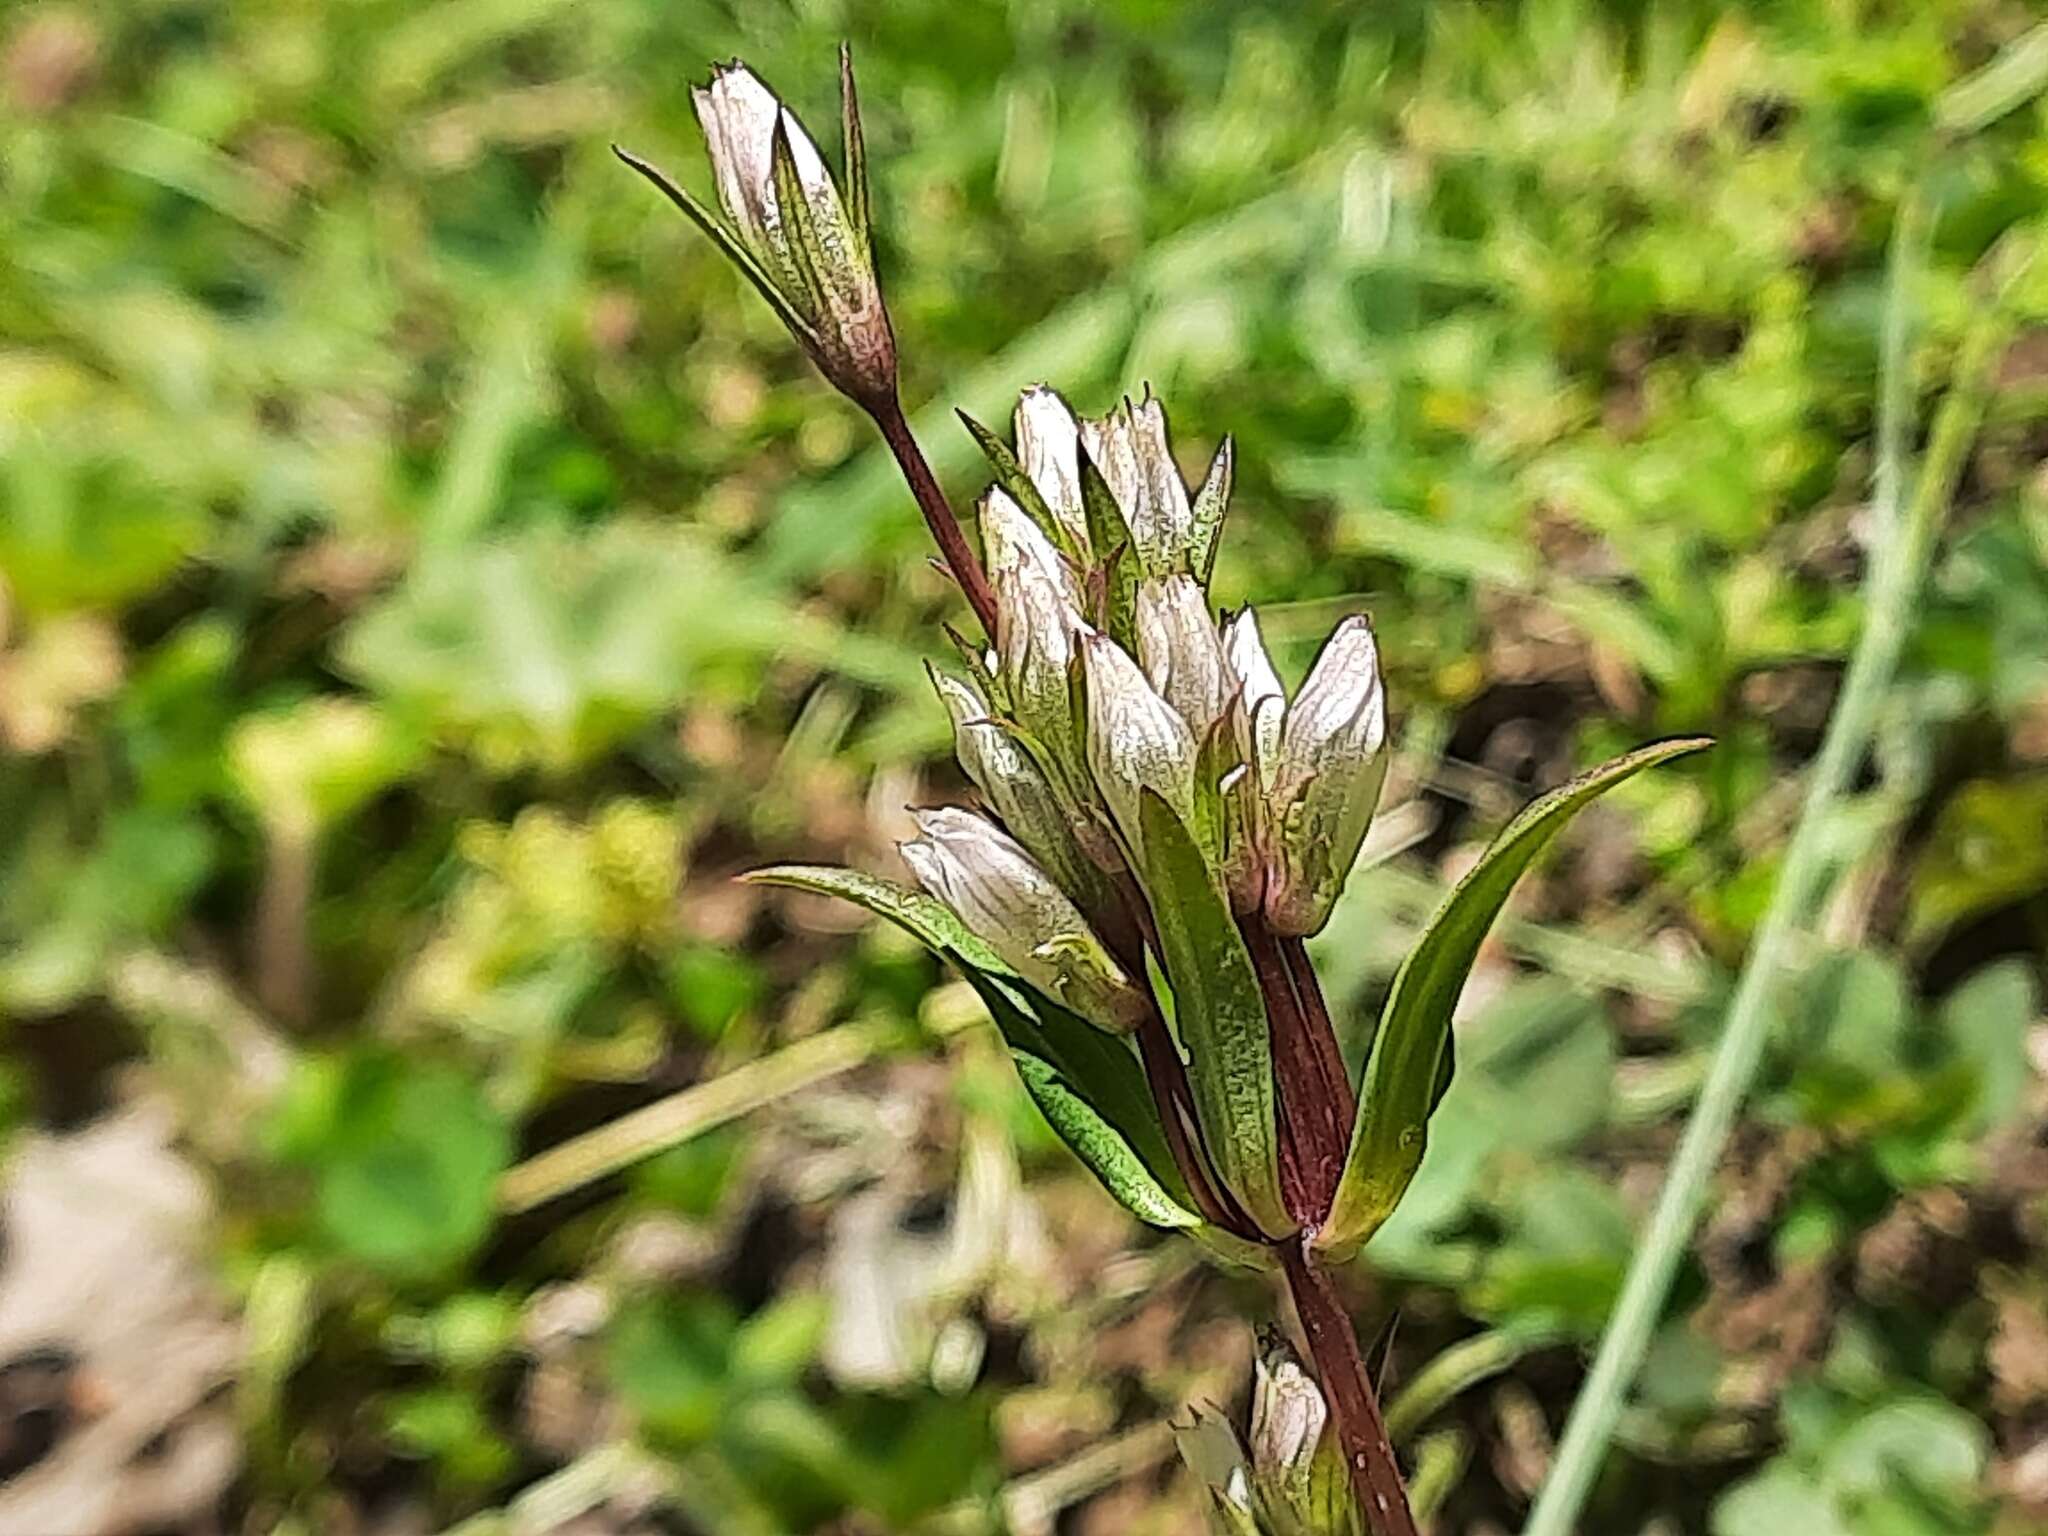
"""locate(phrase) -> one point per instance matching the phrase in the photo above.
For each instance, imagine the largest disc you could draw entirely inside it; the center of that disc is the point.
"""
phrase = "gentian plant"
(1162, 827)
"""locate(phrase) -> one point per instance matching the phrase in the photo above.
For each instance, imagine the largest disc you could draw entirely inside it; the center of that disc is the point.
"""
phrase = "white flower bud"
(1049, 449)
(1038, 625)
(1013, 906)
(1326, 781)
(1020, 793)
(1181, 651)
(801, 241)
(1129, 447)
(1136, 740)
(1288, 1418)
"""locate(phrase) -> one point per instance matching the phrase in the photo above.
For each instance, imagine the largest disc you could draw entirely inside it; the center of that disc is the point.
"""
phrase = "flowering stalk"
(809, 250)
(1164, 826)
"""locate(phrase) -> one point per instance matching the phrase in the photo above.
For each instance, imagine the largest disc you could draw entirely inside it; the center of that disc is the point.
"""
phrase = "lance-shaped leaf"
(1099, 1071)
(1219, 1013)
(1104, 1148)
(1409, 1064)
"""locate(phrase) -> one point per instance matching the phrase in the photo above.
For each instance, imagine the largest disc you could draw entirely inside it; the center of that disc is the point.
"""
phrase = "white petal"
(995, 888)
(1129, 447)
(1049, 446)
(1341, 711)
(1181, 652)
(1136, 740)
(1262, 702)
(738, 113)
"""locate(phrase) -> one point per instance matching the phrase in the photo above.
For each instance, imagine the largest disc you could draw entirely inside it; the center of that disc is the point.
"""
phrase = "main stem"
(938, 513)
(1333, 1345)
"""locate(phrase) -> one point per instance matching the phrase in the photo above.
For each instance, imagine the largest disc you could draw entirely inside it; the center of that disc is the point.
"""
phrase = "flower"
(1181, 651)
(1051, 829)
(1137, 742)
(1326, 780)
(1007, 901)
(1129, 447)
(1049, 450)
(803, 243)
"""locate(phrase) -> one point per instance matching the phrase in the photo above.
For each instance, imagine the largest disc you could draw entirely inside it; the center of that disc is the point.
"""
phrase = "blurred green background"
(427, 576)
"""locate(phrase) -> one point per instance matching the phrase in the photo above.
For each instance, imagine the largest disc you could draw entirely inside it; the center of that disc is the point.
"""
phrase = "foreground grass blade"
(1411, 1050)
(1902, 545)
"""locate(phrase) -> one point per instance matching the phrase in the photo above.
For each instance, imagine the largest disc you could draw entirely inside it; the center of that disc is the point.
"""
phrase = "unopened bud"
(1136, 740)
(1326, 780)
(1014, 907)
(1049, 449)
(806, 246)
(1129, 447)
(1019, 792)
(1038, 626)
(1181, 651)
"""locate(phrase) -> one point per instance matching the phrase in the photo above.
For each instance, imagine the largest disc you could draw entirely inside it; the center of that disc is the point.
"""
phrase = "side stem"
(1333, 1345)
(938, 514)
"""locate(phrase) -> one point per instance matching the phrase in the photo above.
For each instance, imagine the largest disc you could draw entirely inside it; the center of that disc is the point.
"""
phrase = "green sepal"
(729, 244)
(855, 145)
(974, 658)
(924, 918)
(1219, 1013)
(806, 252)
(1109, 538)
(1091, 1070)
(1023, 490)
(1211, 502)
(1409, 1066)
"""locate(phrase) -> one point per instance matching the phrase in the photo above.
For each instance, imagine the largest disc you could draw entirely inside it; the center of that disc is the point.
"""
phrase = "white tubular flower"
(1129, 447)
(1020, 793)
(1038, 624)
(1181, 651)
(1049, 449)
(806, 246)
(1136, 740)
(1006, 900)
(1326, 781)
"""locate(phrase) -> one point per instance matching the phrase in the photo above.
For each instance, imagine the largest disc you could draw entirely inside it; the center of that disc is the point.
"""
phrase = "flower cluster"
(1112, 683)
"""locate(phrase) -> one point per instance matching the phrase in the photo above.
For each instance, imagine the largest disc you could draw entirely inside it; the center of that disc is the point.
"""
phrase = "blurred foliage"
(426, 574)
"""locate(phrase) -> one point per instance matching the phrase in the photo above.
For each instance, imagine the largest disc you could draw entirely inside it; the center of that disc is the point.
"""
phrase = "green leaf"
(1100, 1146)
(1408, 1069)
(1219, 1013)
(924, 918)
(407, 1160)
(1986, 1020)
(1087, 1083)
